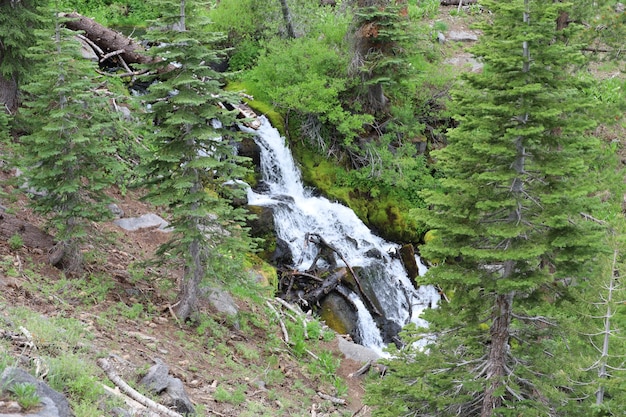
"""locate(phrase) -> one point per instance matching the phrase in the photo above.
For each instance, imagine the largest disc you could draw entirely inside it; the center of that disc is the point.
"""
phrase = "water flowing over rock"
(298, 213)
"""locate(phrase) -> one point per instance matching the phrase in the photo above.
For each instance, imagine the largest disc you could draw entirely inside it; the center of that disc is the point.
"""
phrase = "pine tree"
(68, 157)
(382, 31)
(193, 168)
(513, 230)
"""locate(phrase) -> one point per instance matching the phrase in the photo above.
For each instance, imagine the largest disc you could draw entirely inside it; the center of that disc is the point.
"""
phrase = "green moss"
(388, 216)
(333, 321)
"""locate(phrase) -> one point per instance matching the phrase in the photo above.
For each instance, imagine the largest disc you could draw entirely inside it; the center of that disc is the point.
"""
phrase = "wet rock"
(282, 253)
(356, 352)
(407, 254)
(339, 315)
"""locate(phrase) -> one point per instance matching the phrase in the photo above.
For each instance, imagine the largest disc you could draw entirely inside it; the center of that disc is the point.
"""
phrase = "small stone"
(194, 383)
(161, 320)
(13, 407)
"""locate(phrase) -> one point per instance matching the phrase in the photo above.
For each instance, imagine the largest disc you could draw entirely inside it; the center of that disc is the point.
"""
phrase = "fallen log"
(329, 284)
(108, 40)
(456, 2)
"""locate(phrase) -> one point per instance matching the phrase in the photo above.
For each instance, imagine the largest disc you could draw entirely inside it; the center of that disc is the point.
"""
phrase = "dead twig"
(280, 320)
(332, 399)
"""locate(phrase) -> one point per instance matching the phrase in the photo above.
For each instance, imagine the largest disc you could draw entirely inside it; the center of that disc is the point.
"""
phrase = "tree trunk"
(287, 18)
(8, 94)
(191, 281)
(498, 350)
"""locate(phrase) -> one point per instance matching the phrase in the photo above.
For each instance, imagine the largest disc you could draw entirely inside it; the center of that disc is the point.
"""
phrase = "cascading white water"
(298, 212)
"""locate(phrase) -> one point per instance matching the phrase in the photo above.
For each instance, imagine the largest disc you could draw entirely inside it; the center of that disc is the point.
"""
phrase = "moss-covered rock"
(338, 314)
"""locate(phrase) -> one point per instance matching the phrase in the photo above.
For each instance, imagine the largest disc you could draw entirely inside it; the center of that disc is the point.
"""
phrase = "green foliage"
(519, 174)
(15, 242)
(193, 169)
(112, 13)
(239, 19)
(69, 157)
(245, 56)
(235, 396)
(18, 21)
(72, 374)
(26, 395)
(306, 77)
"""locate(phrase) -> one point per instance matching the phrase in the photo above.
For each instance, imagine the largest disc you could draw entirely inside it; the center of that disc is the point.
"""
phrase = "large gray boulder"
(53, 403)
(158, 381)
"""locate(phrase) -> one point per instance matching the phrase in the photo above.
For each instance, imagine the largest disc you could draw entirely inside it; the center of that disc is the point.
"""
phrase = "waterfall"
(298, 211)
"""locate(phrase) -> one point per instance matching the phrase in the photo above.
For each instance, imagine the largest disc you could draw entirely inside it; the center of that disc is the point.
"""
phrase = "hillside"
(230, 366)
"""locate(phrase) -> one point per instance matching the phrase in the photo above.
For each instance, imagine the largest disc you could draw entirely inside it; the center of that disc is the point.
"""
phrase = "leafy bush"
(307, 77)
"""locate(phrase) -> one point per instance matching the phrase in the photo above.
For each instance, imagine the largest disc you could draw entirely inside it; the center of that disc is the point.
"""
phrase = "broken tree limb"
(131, 392)
(362, 370)
(280, 321)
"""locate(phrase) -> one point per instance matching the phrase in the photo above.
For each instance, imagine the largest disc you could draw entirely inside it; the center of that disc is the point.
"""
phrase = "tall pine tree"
(194, 167)
(69, 156)
(512, 226)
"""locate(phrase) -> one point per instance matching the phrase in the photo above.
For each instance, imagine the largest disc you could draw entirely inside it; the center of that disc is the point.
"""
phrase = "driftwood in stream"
(325, 247)
(328, 285)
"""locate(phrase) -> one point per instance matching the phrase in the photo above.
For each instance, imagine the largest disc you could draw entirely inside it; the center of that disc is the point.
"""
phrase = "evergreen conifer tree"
(513, 230)
(68, 157)
(194, 167)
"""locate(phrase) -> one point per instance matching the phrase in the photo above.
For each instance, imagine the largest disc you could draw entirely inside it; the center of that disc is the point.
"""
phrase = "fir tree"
(68, 157)
(193, 168)
(511, 220)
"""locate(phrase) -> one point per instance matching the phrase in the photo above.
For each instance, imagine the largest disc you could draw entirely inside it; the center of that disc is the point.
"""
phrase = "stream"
(298, 211)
